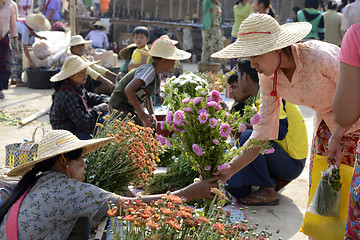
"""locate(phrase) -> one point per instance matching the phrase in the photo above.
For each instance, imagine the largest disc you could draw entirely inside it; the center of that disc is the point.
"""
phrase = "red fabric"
(11, 223)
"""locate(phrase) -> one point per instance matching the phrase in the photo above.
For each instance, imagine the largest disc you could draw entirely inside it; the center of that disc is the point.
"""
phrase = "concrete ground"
(286, 217)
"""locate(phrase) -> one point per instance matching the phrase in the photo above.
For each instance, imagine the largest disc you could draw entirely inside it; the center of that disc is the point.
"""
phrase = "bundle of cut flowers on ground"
(132, 156)
(170, 218)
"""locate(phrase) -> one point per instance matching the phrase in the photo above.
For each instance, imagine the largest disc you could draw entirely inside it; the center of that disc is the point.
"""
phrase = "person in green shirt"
(311, 15)
(242, 9)
(132, 93)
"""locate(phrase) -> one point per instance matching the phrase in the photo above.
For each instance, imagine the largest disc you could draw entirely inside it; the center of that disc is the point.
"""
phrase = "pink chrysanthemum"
(212, 104)
(215, 141)
(167, 142)
(269, 151)
(198, 150)
(225, 130)
(161, 125)
(212, 122)
(242, 127)
(203, 92)
(255, 119)
(179, 117)
(215, 96)
(186, 109)
(224, 166)
(217, 108)
(168, 117)
(203, 111)
(207, 168)
(161, 139)
(203, 117)
(186, 100)
(197, 100)
(227, 114)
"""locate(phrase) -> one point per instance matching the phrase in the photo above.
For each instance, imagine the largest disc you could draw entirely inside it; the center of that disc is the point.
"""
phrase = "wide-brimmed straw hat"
(260, 34)
(56, 142)
(163, 48)
(78, 40)
(72, 65)
(126, 52)
(99, 24)
(167, 37)
(38, 22)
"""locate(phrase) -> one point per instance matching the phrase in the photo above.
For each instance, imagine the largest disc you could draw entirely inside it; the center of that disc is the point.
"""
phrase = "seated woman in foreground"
(52, 202)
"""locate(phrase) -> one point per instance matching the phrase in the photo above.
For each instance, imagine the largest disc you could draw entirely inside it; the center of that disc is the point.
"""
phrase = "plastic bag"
(327, 198)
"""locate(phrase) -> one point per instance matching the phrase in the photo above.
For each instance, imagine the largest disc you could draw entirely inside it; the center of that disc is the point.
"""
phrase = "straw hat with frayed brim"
(78, 40)
(57, 142)
(164, 48)
(167, 37)
(260, 34)
(38, 22)
(125, 53)
(72, 65)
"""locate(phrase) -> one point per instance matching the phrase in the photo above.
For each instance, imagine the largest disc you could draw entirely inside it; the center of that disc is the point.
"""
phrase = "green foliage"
(10, 120)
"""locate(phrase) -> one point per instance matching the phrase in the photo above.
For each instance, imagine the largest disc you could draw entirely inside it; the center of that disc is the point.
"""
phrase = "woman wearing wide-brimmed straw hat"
(98, 36)
(51, 202)
(73, 108)
(301, 73)
(136, 87)
(95, 71)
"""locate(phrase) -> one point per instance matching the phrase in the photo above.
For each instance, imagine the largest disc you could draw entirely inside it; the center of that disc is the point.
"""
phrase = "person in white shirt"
(351, 15)
(98, 36)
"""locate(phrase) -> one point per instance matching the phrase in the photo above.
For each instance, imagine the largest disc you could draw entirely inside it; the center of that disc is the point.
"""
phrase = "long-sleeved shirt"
(68, 110)
(240, 13)
(333, 33)
(313, 84)
(315, 18)
(8, 20)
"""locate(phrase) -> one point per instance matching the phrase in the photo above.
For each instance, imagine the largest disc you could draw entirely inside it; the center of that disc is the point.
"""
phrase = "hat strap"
(241, 34)
(274, 90)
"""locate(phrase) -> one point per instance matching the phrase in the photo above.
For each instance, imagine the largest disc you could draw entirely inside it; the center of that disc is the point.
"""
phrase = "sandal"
(259, 198)
(2, 96)
(281, 184)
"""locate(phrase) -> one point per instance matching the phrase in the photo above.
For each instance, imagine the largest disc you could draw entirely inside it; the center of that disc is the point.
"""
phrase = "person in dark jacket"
(74, 108)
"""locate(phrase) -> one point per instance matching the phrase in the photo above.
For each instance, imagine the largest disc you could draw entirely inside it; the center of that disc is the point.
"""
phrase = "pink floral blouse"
(313, 84)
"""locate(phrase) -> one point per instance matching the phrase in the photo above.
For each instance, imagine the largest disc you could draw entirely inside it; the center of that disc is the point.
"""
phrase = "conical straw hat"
(164, 48)
(56, 142)
(260, 34)
(72, 65)
(38, 22)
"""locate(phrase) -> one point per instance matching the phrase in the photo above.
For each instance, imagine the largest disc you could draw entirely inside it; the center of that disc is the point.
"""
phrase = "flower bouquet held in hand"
(170, 218)
(132, 156)
(204, 131)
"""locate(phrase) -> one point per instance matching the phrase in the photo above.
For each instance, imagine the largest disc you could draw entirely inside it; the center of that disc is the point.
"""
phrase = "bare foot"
(263, 196)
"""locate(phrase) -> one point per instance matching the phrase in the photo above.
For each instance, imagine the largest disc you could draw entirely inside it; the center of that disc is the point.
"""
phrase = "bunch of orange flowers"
(132, 156)
(170, 218)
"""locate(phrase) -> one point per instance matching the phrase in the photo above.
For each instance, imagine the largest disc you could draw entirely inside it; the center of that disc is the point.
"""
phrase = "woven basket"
(17, 155)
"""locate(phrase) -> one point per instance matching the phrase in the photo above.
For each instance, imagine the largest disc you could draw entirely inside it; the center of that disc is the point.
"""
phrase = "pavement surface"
(21, 102)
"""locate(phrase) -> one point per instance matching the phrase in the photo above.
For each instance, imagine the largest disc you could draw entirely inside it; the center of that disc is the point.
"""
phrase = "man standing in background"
(332, 20)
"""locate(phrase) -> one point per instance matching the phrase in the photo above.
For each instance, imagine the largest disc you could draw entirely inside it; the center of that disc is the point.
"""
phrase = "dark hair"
(296, 9)
(30, 178)
(244, 66)
(141, 30)
(233, 78)
(238, 2)
(332, 5)
(312, 4)
(267, 6)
